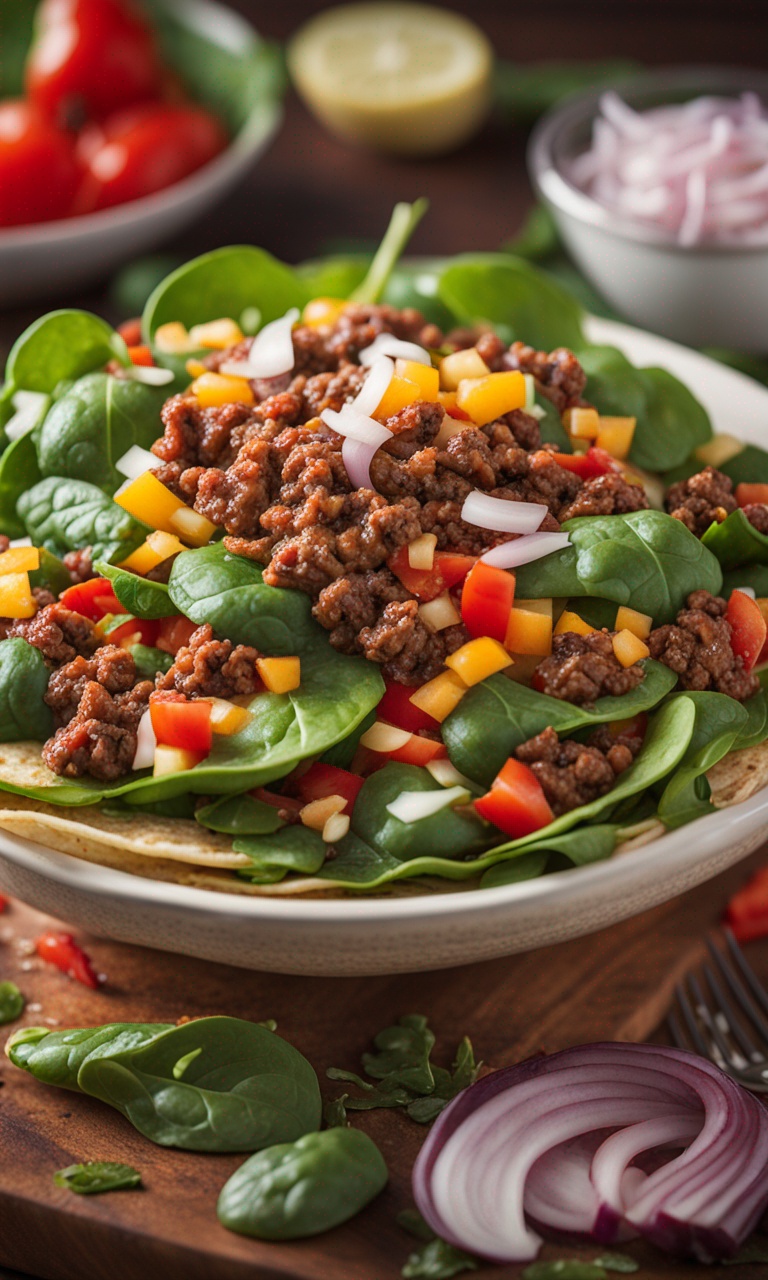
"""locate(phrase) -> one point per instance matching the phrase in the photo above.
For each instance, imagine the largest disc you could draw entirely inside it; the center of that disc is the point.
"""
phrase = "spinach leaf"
(12, 1003)
(214, 1084)
(456, 834)
(140, 596)
(437, 1260)
(748, 466)
(414, 284)
(149, 661)
(295, 848)
(240, 816)
(538, 239)
(52, 573)
(753, 575)
(565, 1269)
(95, 1176)
(620, 1262)
(497, 715)
(333, 277)
(529, 866)
(645, 559)
(90, 428)
(19, 471)
(719, 722)
(519, 301)
(223, 283)
(402, 224)
(576, 848)
(551, 425)
(58, 346)
(736, 542)
(343, 754)
(64, 514)
(23, 683)
(755, 730)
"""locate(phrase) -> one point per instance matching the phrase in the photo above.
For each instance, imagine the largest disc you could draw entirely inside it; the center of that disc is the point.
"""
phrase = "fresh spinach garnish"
(140, 596)
(149, 661)
(24, 679)
(95, 1176)
(60, 345)
(510, 294)
(19, 471)
(12, 1002)
(402, 224)
(435, 1259)
(456, 833)
(64, 514)
(720, 720)
(240, 816)
(574, 848)
(295, 848)
(736, 542)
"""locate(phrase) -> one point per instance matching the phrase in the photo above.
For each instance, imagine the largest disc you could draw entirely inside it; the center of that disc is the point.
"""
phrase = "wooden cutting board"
(612, 985)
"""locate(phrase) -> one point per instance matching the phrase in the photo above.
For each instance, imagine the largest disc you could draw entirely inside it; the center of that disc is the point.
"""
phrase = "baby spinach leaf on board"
(62, 344)
(149, 661)
(342, 755)
(644, 559)
(64, 514)
(736, 542)
(95, 1176)
(23, 683)
(19, 471)
(456, 834)
(140, 596)
(497, 715)
(243, 1088)
(719, 722)
(510, 294)
(437, 1260)
(12, 1002)
(90, 428)
(240, 816)
(295, 848)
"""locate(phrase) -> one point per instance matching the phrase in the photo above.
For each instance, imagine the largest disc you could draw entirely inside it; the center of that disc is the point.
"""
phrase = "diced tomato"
(595, 462)
(418, 750)
(515, 803)
(747, 494)
(174, 633)
(130, 331)
(140, 354)
(487, 600)
(3, 903)
(427, 584)
(323, 780)
(748, 627)
(288, 803)
(396, 708)
(454, 411)
(145, 628)
(747, 911)
(62, 950)
(181, 723)
(93, 599)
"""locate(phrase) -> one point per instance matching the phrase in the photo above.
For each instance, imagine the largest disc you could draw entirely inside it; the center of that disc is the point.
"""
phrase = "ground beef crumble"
(697, 647)
(757, 515)
(582, 669)
(210, 668)
(97, 705)
(701, 500)
(56, 631)
(573, 773)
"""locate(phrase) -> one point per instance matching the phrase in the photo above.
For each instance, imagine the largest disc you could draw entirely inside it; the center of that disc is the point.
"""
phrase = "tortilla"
(739, 775)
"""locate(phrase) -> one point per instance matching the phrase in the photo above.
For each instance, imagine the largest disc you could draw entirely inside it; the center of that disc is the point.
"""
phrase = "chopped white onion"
(271, 351)
(135, 462)
(150, 375)
(357, 458)
(439, 613)
(357, 426)
(21, 542)
(447, 774)
(370, 394)
(747, 591)
(386, 344)
(146, 742)
(502, 515)
(30, 407)
(509, 555)
(384, 737)
(412, 806)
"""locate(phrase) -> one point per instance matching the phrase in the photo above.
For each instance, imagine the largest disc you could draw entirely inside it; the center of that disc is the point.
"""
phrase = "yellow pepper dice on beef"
(147, 499)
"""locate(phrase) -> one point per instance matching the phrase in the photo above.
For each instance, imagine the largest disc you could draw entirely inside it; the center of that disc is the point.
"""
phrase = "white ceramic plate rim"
(721, 389)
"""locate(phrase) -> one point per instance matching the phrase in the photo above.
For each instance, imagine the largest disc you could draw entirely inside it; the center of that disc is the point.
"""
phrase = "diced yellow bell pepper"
(21, 559)
(226, 717)
(461, 364)
(422, 374)
(640, 624)
(629, 648)
(569, 621)
(421, 552)
(486, 399)
(192, 526)
(165, 544)
(478, 659)
(615, 436)
(16, 599)
(148, 499)
(172, 338)
(322, 311)
(214, 389)
(399, 394)
(280, 675)
(142, 560)
(582, 424)
(438, 697)
(529, 632)
(216, 334)
(174, 760)
(721, 448)
(195, 368)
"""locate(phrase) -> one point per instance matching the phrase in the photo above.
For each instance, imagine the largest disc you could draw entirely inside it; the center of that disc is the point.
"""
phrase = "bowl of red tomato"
(121, 121)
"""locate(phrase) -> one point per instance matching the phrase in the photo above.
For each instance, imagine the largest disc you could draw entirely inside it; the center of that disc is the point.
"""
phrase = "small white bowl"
(52, 257)
(713, 295)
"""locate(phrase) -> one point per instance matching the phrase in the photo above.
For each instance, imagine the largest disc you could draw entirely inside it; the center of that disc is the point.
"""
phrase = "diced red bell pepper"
(747, 911)
(3, 903)
(747, 494)
(62, 950)
(418, 750)
(447, 571)
(289, 803)
(145, 628)
(93, 599)
(486, 601)
(748, 627)
(140, 354)
(130, 331)
(174, 633)
(323, 780)
(181, 723)
(515, 803)
(595, 462)
(396, 708)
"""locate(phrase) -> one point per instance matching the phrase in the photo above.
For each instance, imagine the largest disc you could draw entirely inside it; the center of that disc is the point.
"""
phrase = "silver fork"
(728, 1024)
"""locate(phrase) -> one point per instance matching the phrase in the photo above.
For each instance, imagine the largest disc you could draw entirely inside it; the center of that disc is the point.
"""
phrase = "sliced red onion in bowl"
(520, 1147)
(533, 546)
(379, 377)
(271, 351)
(386, 344)
(501, 514)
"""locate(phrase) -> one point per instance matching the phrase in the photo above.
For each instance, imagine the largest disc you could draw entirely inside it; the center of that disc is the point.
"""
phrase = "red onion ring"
(552, 1141)
(532, 546)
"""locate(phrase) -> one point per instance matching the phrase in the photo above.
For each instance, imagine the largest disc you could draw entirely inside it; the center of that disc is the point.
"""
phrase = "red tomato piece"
(130, 331)
(515, 803)
(145, 629)
(178, 723)
(174, 633)
(748, 627)
(93, 599)
(3, 903)
(39, 174)
(143, 150)
(396, 708)
(140, 354)
(747, 494)
(487, 600)
(61, 950)
(747, 911)
(595, 462)
(418, 750)
(90, 58)
(447, 571)
(323, 780)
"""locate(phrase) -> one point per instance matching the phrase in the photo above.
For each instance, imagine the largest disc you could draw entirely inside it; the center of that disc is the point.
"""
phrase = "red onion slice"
(369, 396)
(386, 344)
(357, 456)
(501, 514)
(357, 426)
(534, 546)
(271, 351)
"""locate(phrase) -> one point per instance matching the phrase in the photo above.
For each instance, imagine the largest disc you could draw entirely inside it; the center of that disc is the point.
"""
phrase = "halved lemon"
(406, 78)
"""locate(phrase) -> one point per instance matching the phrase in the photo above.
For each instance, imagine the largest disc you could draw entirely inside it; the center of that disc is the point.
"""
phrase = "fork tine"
(675, 1030)
(747, 972)
(743, 984)
(710, 1021)
(692, 1026)
(726, 1009)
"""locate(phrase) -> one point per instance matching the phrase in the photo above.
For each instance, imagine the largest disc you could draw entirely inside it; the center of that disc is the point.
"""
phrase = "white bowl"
(52, 257)
(430, 931)
(705, 296)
